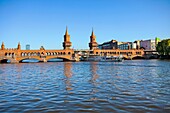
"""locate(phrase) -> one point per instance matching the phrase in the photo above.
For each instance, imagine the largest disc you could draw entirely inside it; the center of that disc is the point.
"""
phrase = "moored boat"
(111, 59)
(98, 58)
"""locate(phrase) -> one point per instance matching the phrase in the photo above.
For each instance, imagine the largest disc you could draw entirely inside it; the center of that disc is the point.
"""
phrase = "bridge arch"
(138, 57)
(32, 54)
(6, 54)
(22, 54)
(6, 60)
(38, 53)
(54, 53)
(125, 58)
(29, 59)
(65, 58)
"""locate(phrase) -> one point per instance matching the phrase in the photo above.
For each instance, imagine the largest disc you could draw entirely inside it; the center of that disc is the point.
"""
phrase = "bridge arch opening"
(29, 60)
(10, 54)
(138, 57)
(57, 59)
(32, 54)
(6, 54)
(125, 58)
(5, 61)
(38, 53)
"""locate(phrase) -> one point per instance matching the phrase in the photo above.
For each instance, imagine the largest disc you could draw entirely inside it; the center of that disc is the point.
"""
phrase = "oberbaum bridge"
(16, 55)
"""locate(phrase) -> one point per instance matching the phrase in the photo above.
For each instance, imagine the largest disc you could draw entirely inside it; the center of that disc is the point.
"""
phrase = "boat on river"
(111, 59)
(98, 58)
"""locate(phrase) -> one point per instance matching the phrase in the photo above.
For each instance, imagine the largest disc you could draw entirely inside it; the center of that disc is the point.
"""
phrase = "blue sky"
(43, 22)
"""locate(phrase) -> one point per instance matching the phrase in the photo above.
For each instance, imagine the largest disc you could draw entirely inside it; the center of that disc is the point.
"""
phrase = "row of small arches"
(38, 54)
(45, 54)
(10, 54)
(137, 53)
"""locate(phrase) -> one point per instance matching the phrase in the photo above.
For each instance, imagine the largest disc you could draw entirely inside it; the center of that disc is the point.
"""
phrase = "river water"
(129, 86)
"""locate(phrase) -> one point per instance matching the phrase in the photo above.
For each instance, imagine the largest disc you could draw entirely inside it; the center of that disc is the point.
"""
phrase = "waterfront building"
(148, 44)
(137, 44)
(108, 45)
(127, 45)
(133, 45)
(114, 44)
(124, 46)
(93, 44)
(27, 47)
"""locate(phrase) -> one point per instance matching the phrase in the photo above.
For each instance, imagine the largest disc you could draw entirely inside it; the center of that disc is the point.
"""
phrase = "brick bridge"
(16, 55)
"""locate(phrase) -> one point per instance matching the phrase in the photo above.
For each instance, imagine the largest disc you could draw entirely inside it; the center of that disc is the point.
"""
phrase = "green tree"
(163, 47)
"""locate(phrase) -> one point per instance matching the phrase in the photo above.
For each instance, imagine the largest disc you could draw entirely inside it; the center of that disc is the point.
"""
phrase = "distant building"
(124, 46)
(148, 44)
(137, 44)
(127, 45)
(27, 47)
(145, 44)
(133, 45)
(114, 44)
(109, 45)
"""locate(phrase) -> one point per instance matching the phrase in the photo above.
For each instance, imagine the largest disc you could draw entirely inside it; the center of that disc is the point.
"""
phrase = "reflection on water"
(93, 68)
(68, 74)
(129, 86)
(67, 69)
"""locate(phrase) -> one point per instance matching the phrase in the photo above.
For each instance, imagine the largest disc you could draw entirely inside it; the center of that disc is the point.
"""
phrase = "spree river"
(128, 86)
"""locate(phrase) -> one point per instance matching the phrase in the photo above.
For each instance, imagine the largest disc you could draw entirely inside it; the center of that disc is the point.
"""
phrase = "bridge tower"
(67, 44)
(19, 46)
(93, 44)
(2, 46)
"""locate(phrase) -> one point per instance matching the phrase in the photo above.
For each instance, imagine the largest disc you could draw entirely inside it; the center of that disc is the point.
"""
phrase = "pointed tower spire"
(67, 44)
(2, 46)
(19, 46)
(92, 34)
(93, 44)
(66, 31)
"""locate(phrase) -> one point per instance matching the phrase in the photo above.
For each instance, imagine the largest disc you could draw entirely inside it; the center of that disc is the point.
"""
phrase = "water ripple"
(130, 86)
